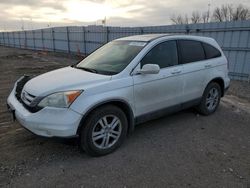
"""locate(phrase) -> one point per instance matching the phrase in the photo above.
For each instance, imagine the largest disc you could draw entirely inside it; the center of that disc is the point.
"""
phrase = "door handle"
(176, 72)
(208, 66)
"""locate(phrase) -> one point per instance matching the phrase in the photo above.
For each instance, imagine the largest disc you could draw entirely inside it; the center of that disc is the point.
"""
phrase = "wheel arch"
(122, 104)
(221, 83)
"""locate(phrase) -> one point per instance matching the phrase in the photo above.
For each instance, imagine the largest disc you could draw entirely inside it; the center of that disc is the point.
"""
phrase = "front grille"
(28, 100)
(19, 87)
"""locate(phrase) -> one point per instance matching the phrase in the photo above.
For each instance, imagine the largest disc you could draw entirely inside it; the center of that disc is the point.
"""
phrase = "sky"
(35, 14)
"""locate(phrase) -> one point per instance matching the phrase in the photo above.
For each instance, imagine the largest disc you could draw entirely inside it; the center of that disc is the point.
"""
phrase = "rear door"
(214, 59)
(153, 92)
(195, 69)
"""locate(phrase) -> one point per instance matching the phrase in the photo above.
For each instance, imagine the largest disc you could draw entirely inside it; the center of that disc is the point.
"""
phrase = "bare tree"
(186, 20)
(231, 10)
(205, 17)
(229, 13)
(226, 12)
(196, 17)
(241, 13)
(217, 15)
(179, 19)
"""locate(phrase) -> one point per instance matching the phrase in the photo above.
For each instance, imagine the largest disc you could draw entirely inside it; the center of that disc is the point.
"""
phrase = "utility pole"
(208, 12)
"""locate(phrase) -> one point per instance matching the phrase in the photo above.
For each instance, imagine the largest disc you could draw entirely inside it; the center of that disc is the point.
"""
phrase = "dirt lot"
(180, 150)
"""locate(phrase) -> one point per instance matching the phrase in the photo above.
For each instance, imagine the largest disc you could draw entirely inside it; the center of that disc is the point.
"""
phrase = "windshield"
(111, 58)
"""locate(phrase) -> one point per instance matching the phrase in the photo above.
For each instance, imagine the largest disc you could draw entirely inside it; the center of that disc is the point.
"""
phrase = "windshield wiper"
(87, 69)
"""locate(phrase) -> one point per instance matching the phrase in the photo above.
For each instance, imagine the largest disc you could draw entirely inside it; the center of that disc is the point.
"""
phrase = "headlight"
(60, 100)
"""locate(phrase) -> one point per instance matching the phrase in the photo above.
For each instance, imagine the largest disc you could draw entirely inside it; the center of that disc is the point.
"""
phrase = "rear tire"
(104, 131)
(210, 99)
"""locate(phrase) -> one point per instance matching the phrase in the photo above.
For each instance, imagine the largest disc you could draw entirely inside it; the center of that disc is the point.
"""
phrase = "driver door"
(154, 93)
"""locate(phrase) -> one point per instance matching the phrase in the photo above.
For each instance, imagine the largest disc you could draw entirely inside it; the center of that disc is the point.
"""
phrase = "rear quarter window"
(210, 51)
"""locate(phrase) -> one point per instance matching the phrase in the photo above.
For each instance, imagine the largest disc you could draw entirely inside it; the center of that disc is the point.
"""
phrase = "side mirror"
(149, 69)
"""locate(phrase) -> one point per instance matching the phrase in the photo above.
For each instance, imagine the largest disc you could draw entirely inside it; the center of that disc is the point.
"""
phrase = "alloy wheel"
(212, 99)
(106, 131)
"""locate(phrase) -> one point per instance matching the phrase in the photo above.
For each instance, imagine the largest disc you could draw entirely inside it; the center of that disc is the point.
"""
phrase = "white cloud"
(39, 13)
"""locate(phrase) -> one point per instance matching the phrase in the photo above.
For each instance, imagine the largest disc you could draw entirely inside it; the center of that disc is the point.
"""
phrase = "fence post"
(107, 34)
(34, 43)
(67, 32)
(8, 38)
(14, 40)
(1, 38)
(84, 41)
(42, 39)
(187, 29)
(141, 30)
(4, 37)
(25, 39)
(19, 38)
(53, 39)
(3, 42)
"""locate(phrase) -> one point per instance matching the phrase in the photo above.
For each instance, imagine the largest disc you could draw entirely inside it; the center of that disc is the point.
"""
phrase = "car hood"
(63, 79)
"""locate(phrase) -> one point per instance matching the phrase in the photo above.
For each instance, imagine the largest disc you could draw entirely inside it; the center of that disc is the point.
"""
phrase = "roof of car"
(144, 38)
(151, 37)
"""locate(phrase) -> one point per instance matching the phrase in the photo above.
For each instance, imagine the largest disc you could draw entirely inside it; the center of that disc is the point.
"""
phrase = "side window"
(164, 54)
(191, 51)
(210, 51)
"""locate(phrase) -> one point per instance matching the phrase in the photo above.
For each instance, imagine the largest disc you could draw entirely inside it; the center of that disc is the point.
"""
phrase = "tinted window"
(210, 51)
(164, 54)
(191, 51)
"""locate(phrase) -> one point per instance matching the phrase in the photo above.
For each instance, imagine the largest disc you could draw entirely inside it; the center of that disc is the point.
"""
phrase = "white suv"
(123, 83)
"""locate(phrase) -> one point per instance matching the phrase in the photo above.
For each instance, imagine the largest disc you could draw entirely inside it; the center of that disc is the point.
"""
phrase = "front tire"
(210, 99)
(104, 131)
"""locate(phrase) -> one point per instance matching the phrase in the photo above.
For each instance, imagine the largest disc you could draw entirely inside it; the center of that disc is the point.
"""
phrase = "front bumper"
(48, 122)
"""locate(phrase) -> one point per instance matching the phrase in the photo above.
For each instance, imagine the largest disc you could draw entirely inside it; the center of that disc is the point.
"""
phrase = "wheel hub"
(212, 99)
(106, 132)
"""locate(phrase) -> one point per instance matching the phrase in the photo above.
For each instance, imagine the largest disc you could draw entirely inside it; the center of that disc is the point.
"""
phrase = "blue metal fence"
(233, 37)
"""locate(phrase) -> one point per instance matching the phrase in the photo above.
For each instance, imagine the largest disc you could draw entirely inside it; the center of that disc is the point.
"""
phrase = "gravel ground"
(240, 89)
(180, 150)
